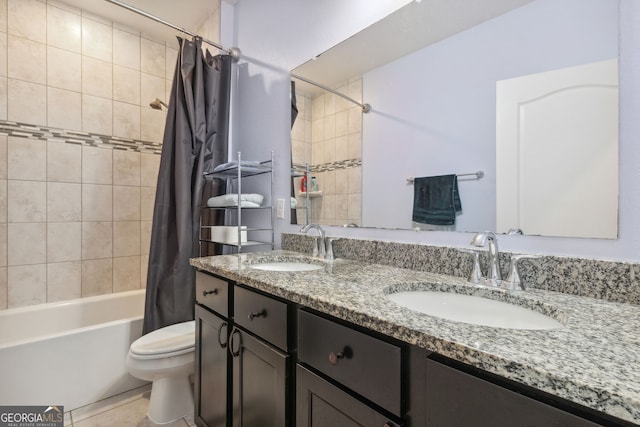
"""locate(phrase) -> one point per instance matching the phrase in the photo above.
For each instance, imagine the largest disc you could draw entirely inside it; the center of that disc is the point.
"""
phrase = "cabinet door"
(211, 371)
(455, 398)
(259, 382)
(321, 404)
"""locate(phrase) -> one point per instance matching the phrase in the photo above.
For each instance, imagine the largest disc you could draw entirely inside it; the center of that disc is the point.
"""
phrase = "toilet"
(166, 357)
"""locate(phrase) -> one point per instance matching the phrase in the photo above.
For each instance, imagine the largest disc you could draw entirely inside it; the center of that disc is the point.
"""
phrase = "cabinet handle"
(222, 344)
(335, 357)
(213, 291)
(231, 341)
(261, 313)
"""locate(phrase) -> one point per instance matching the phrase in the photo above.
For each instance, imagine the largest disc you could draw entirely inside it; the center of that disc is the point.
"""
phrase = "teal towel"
(436, 200)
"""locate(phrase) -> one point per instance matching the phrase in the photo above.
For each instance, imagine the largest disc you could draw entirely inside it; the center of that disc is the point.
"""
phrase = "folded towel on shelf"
(436, 200)
(249, 200)
(244, 164)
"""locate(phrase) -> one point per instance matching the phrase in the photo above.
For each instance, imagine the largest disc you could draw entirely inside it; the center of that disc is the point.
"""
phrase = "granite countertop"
(594, 360)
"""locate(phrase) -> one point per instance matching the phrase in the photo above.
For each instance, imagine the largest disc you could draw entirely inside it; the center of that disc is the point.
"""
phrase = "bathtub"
(70, 353)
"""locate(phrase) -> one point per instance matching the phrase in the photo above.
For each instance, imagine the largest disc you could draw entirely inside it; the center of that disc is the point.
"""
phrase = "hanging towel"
(436, 199)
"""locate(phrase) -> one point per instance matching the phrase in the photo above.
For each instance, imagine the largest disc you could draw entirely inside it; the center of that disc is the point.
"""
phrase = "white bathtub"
(70, 353)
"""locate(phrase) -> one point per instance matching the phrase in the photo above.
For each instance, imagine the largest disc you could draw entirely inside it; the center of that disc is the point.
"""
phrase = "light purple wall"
(262, 122)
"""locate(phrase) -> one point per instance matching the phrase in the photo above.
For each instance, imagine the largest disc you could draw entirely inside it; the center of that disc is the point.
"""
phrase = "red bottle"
(303, 184)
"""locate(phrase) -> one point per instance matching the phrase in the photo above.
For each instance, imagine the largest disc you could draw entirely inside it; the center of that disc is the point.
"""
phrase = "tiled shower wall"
(328, 135)
(75, 218)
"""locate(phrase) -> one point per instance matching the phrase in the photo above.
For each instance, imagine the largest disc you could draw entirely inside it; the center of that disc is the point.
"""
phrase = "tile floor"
(124, 410)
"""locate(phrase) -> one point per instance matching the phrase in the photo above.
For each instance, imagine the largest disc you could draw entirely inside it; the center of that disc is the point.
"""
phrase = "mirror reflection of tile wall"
(328, 136)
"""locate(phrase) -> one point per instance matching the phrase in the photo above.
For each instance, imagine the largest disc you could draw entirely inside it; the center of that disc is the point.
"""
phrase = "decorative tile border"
(607, 280)
(326, 167)
(23, 130)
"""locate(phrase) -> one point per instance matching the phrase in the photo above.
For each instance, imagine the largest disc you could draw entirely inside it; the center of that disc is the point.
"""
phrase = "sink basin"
(286, 266)
(474, 310)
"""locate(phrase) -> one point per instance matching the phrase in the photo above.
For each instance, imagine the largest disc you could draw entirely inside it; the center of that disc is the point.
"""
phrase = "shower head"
(157, 104)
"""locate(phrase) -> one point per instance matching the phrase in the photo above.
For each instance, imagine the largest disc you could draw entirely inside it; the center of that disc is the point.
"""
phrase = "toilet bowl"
(166, 357)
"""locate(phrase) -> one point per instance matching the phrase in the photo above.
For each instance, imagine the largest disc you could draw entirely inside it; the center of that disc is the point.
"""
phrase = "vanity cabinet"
(332, 358)
(212, 364)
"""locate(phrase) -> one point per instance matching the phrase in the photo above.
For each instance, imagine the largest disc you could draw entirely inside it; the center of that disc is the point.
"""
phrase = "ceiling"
(187, 14)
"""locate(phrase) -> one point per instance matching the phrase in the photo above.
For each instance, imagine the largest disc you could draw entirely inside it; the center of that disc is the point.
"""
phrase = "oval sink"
(286, 266)
(474, 310)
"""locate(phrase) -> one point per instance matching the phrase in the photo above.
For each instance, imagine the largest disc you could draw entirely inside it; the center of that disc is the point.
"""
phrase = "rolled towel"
(245, 164)
(249, 200)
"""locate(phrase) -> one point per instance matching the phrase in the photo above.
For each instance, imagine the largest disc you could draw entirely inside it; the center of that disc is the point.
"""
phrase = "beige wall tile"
(3, 286)
(151, 87)
(126, 49)
(152, 124)
(64, 109)
(3, 15)
(152, 57)
(126, 120)
(3, 244)
(3, 200)
(26, 60)
(97, 240)
(126, 85)
(144, 264)
(4, 95)
(3, 54)
(126, 167)
(27, 159)
(97, 39)
(147, 200)
(126, 203)
(64, 241)
(97, 165)
(26, 102)
(171, 59)
(64, 69)
(3, 156)
(26, 201)
(342, 181)
(149, 165)
(97, 115)
(64, 281)
(64, 202)
(355, 120)
(126, 273)
(97, 202)
(97, 77)
(63, 29)
(342, 148)
(27, 285)
(64, 162)
(145, 237)
(126, 238)
(26, 243)
(28, 19)
(97, 277)
(355, 145)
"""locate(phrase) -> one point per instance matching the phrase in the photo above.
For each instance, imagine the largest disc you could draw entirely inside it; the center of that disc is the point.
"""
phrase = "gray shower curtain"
(195, 141)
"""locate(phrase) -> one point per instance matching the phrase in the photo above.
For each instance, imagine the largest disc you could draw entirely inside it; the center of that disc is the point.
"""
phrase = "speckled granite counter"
(594, 360)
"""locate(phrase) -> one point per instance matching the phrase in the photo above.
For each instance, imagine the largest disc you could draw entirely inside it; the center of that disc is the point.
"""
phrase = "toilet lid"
(170, 339)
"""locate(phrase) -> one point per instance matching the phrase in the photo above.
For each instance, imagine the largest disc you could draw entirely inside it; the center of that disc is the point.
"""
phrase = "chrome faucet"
(319, 248)
(481, 239)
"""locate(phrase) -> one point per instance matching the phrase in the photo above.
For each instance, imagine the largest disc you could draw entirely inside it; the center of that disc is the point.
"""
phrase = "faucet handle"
(513, 282)
(476, 272)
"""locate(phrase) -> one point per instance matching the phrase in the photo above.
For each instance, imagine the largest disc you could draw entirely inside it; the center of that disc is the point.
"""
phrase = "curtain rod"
(365, 107)
(234, 52)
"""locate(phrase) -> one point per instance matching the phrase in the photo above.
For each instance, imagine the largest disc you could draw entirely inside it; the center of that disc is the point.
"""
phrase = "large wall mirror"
(525, 91)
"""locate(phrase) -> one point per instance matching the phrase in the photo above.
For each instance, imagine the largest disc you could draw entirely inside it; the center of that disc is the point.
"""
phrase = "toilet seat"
(169, 341)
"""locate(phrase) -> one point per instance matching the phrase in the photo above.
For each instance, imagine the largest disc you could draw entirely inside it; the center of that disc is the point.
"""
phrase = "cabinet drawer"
(262, 315)
(212, 293)
(367, 365)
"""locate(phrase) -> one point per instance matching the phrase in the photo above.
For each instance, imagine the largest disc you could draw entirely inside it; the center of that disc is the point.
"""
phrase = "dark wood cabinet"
(211, 371)
(321, 404)
(259, 382)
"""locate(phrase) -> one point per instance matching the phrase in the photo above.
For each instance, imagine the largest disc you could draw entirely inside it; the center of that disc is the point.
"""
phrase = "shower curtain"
(195, 141)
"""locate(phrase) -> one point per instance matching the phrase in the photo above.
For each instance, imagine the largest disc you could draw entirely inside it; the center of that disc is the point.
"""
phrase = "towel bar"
(478, 175)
